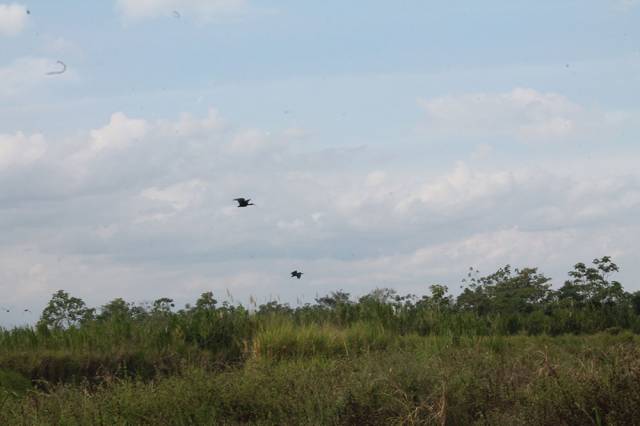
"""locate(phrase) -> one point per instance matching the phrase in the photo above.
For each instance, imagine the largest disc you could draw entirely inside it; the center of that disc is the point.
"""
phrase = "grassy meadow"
(509, 350)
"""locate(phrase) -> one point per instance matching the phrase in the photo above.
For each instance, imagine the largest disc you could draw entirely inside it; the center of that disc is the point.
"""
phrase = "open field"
(322, 375)
(508, 350)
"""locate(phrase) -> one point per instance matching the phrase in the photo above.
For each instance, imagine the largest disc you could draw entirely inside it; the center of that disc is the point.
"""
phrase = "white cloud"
(521, 113)
(13, 19)
(198, 9)
(179, 196)
(154, 205)
(502, 246)
(294, 225)
(22, 74)
(187, 125)
(20, 150)
(375, 179)
(120, 132)
(60, 46)
(461, 188)
(104, 146)
(253, 141)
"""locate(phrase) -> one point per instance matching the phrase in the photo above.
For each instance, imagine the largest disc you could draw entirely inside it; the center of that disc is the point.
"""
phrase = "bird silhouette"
(243, 202)
(62, 71)
(296, 274)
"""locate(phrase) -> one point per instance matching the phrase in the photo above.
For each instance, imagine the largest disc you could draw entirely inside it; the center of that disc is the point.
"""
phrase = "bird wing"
(64, 68)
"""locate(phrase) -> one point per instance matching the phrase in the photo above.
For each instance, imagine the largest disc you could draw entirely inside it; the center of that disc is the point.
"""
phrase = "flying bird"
(243, 202)
(64, 68)
(296, 274)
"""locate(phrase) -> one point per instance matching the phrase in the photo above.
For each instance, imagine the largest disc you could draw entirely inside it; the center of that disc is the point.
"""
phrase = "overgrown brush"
(475, 380)
(508, 350)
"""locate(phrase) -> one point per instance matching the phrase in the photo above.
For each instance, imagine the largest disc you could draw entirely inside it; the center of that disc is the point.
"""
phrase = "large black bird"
(296, 274)
(243, 202)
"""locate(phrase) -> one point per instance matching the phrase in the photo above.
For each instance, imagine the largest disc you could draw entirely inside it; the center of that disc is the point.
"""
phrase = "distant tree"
(635, 302)
(506, 291)
(380, 295)
(64, 311)
(590, 285)
(334, 299)
(274, 307)
(438, 300)
(163, 305)
(206, 302)
(116, 309)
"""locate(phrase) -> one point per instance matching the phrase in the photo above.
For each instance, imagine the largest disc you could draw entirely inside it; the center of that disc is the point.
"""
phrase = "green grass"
(284, 340)
(368, 363)
(322, 374)
(507, 351)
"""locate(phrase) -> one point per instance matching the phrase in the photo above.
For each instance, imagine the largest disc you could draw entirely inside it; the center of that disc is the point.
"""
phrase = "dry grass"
(310, 378)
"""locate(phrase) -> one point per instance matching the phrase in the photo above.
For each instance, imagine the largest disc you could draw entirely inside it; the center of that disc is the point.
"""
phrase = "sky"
(384, 144)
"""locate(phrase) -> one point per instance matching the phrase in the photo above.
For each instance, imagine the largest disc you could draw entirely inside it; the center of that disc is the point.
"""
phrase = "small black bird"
(296, 274)
(242, 202)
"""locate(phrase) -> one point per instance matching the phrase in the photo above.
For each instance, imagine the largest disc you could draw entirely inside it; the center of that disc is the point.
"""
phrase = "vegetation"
(509, 349)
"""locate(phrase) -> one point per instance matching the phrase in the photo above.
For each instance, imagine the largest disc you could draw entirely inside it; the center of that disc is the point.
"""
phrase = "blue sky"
(386, 143)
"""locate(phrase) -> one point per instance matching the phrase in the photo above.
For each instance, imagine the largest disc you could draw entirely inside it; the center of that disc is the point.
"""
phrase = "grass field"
(509, 350)
(323, 374)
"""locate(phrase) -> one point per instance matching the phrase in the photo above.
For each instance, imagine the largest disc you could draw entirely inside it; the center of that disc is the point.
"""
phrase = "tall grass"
(283, 339)
(379, 360)
(436, 380)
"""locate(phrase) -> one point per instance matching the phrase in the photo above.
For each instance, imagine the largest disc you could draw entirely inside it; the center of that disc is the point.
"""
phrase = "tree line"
(508, 301)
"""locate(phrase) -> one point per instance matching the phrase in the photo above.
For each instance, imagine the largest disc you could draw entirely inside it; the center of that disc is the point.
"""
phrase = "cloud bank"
(522, 114)
(13, 19)
(143, 208)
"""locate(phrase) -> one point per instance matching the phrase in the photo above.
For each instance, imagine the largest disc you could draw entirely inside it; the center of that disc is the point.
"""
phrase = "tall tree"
(64, 311)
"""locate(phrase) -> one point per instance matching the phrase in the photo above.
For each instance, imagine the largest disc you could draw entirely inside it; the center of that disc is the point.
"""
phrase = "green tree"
(635, 302)
(117, 309)
(506, 291)
(590, 285)
(162, 305)
(438, 301)
(206, 302)
(64, 311)
(336, 298)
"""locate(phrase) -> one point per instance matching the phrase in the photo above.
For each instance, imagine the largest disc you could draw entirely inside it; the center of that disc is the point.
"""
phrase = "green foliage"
(589, 286)
(509, 301)
(64, 311)
(162, 306)
(484, 357)
(116, 310)
(14, 383)
(486, 380)
(506, 292)
(206, 302)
